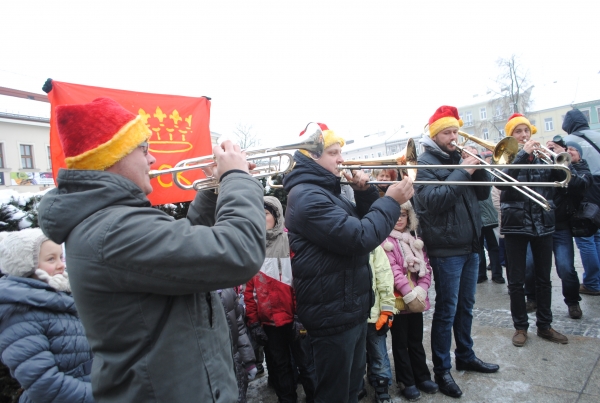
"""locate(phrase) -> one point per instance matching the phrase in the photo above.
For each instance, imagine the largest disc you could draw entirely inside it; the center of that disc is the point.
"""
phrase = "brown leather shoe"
(587, 291)
(519, 338)
(553, 336)
(575, 311)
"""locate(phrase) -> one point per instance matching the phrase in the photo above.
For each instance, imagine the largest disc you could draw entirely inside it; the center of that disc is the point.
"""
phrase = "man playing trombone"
(527, 223)
(331, 239)
(451, 228)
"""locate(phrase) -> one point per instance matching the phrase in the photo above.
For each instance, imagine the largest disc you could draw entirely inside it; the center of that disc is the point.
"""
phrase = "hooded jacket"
(269, 295)
(331, 239)
(449, 215)
(42, 342)
(568, 199)
(142, 282)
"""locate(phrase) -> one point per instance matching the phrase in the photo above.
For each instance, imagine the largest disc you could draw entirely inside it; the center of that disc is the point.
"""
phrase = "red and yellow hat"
(445, 116)
(329, 138)
(97, 135)
(515, 120)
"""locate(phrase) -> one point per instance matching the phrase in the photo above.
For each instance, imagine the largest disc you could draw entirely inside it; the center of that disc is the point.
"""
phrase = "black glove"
(258, 334)
(298, 329)
(384, 329)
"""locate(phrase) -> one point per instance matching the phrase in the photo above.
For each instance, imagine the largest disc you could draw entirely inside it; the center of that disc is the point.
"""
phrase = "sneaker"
(519, 338)
(531, 306)
(575, 311)
(499, 280)
(553, 336)
(587, 291)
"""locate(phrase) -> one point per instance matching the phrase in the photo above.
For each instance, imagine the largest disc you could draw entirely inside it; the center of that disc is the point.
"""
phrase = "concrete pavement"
(540, 371)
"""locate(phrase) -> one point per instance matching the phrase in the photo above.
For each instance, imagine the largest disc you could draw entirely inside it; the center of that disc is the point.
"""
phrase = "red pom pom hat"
(97, 135)
(445, 116)
(515, 120)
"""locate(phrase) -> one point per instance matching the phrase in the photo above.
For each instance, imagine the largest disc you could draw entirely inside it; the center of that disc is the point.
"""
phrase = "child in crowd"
(243, 354)
(379, 322)
(412, 278)
(270, 312)
(42, 341)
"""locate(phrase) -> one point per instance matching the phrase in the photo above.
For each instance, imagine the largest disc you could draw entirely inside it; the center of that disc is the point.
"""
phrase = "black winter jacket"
(521, 215)
(330, 239)
(450, 218)
(567, 200)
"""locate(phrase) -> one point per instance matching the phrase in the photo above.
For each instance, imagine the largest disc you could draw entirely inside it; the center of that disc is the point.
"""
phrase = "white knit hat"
(20, 251)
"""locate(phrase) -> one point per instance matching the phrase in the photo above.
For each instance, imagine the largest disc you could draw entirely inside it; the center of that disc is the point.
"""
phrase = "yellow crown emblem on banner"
(168, 131)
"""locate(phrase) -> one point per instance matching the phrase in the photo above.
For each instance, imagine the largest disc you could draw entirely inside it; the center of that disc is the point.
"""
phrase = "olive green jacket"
(143, 282)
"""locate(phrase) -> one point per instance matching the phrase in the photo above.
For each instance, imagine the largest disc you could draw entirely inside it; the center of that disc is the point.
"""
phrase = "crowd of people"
(161, 310)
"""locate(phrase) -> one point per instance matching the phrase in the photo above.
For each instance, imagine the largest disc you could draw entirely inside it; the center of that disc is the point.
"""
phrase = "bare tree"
(514, 87)
(246, 138)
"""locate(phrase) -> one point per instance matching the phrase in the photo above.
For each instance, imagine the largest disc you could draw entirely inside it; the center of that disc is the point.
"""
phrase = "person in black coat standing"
(524, 223)
(330, 240)
(451, 228)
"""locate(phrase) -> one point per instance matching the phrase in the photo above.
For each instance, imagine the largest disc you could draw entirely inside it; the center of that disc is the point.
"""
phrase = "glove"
(413, 303)
(251, 372)
(258, 334)
(385, 321)
(298, 329)
(421, 293)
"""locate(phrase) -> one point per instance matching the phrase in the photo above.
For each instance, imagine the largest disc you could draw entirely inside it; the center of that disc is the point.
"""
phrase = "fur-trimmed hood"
(413, 221)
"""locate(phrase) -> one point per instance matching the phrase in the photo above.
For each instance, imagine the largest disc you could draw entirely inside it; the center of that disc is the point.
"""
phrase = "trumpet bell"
(313, 143)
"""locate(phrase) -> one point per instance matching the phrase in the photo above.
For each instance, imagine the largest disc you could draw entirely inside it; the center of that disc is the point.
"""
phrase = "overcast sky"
(359, 67)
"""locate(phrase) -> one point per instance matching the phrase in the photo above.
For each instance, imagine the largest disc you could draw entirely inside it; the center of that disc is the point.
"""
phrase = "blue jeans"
(564, 258)
(589, 249)
(455, 282)
(377, 356)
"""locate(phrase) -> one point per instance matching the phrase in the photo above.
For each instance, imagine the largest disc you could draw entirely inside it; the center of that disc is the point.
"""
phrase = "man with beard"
(451, 228)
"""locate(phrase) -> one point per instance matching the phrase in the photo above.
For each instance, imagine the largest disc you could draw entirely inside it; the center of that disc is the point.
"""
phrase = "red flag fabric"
(180, 130)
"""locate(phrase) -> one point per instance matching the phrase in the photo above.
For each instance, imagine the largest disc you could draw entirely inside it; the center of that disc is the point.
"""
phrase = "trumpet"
(550, 157)
(269, 161)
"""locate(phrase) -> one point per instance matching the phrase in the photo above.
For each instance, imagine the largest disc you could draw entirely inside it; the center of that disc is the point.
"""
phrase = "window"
(468, 118)
(26, 156)
(512, 108)
(586, 112)
(49, 157)
(483, 113)
(549, 125)
(532, 121)
(1, 155)
(486, 134)
(502, 134)
(598, 113)
(379, 154)
(498, 110)
(366, 156)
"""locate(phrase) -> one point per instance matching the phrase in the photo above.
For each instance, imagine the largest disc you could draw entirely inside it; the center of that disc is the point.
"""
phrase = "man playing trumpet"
(451, 228)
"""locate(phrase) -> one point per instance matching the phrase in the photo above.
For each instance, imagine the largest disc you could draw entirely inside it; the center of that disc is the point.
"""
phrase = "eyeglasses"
(144, 147)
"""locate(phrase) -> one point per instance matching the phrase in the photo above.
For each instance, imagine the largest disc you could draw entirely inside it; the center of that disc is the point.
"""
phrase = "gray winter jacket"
(42, 342)
(143, 282)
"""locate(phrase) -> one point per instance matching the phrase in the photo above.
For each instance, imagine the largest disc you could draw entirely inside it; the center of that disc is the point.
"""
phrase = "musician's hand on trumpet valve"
(531, 146)
(228, 156)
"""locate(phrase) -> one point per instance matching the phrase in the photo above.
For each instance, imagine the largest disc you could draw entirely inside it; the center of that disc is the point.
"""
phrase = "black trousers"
(487, 234)
(279, 351)
(516, 265)
(410, 362)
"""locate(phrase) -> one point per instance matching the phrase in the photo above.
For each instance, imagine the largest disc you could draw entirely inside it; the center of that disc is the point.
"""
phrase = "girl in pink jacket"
(412, 278)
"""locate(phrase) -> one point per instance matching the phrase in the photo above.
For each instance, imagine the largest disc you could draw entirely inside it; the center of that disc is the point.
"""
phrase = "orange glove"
(385, 317)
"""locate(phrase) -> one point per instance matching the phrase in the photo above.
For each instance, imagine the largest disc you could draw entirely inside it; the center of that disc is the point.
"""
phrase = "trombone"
(503, 153)
(269, 161)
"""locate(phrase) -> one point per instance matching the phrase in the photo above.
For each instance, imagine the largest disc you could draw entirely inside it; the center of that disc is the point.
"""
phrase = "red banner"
(180, 130)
